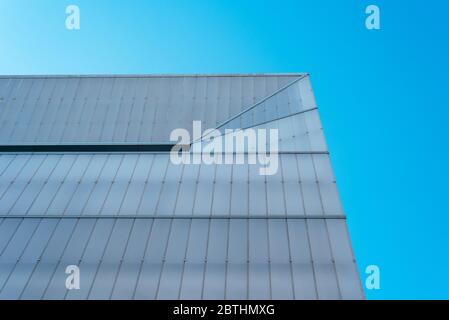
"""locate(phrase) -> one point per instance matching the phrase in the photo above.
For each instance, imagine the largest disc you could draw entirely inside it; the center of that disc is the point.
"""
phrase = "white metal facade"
(140, 227)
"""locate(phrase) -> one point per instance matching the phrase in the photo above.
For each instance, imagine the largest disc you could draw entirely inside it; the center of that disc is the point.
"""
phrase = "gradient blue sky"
(383, 96)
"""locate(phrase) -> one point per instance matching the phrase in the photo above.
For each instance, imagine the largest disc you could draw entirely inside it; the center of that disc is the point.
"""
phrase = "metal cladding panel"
(151, 185)
(282, 103)
(139, 226)
(291, 111)
(294, 135)
(180, 258)
(123, 108)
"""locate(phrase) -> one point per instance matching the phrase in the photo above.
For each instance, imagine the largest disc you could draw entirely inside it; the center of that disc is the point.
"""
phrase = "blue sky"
(383, 96)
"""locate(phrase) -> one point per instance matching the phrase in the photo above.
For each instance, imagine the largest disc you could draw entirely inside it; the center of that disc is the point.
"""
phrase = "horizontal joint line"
(87, 216)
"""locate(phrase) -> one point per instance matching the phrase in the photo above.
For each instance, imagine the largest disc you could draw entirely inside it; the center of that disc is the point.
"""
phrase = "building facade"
(87, 180)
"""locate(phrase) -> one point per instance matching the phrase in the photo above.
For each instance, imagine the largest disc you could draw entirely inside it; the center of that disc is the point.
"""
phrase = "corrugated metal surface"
(122, 109)
(140, 227)
(178, 258)
(294, 98)
(296, 133)
(150, 184)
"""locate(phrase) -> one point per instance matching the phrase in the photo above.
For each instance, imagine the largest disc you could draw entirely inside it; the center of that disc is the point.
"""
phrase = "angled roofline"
(180, 75)
(288, 85)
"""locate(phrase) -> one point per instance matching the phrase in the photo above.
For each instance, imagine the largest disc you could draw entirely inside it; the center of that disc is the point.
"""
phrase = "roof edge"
(295, 74)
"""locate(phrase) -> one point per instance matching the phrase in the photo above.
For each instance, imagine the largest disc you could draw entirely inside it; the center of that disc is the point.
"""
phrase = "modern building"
(86, 180)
